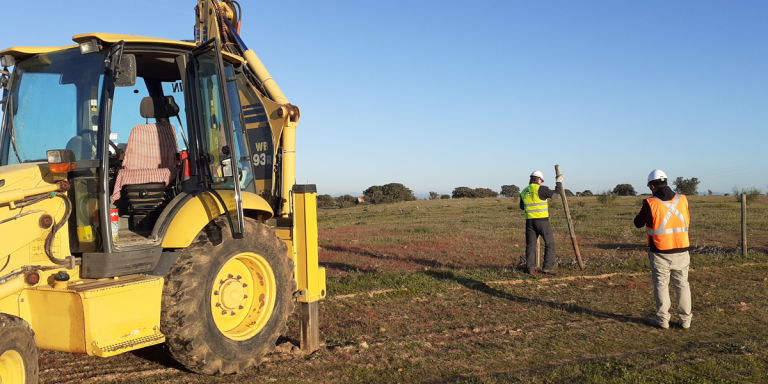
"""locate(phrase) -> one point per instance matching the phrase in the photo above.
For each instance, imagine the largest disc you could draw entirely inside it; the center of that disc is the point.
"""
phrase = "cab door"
(215, 148)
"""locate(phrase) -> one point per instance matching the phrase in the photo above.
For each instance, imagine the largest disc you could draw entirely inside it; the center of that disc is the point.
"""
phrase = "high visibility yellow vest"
(535, 208)
(670, 223)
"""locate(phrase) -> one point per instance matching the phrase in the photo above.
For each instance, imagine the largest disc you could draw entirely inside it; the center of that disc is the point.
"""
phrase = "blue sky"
(442, 94)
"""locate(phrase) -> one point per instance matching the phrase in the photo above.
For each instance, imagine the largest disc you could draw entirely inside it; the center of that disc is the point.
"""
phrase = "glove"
(559, 179)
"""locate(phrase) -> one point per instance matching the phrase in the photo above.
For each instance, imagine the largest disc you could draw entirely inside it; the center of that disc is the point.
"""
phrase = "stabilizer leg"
(309, 276)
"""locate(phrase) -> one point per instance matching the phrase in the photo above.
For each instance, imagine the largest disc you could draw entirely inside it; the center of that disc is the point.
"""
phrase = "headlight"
(7, 61)
(61, 160)
(54, 157)
(90, 46)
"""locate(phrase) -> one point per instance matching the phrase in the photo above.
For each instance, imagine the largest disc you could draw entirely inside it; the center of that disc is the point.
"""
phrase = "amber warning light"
(61, 160)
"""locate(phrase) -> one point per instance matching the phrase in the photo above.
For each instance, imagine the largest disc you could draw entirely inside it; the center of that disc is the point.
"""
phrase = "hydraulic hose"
(222, 26)
(54, 229)
(238, 13)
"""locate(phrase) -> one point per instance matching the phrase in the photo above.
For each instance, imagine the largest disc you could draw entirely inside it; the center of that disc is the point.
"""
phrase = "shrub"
(510, 190)
(445, 197)
(587, 193)
(345, 201)
(486, 192)
(388, 193)
(433, 195)
(460, 192)
(624, 190)
(568, 193)
(325, 201)
(465, 192)
(606, 197)
(686, 186)
(752, 193)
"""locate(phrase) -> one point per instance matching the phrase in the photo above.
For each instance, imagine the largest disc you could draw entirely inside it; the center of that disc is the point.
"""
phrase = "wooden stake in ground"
(538, 252)
(744, 224)
(570, 223)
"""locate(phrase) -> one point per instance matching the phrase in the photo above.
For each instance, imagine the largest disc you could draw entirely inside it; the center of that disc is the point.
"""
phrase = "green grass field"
(432, 292)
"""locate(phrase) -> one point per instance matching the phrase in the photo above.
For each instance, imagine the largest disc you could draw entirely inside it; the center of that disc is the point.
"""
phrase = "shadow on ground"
(343, 267)
(159, 354)
(432, 263)
(623, 247)
(485, 288)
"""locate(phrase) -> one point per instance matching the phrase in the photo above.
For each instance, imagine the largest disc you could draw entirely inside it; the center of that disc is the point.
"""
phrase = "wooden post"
(310, 326)
(538, 252)
(744, 224)
(570, 223)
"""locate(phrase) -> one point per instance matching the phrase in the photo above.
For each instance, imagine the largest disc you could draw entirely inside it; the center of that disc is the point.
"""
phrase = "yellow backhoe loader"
(147, 196)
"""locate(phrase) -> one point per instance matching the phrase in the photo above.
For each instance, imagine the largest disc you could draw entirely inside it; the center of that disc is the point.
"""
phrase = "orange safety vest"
(670, 223)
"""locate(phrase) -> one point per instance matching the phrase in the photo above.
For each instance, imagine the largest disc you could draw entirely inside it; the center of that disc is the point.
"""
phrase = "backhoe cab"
(147, 195)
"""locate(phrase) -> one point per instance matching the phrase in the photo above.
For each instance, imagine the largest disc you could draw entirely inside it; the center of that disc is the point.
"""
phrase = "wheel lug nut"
(215, 292)
(221, 281)
(240, 307)
(230, 276)
(245, 285)
(232, 313)
(238, 277)
(245, 296)
(223, 312)
(218, 305)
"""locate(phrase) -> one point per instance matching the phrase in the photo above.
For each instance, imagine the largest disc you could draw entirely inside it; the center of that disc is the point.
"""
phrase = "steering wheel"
(112, 156)
(118, 155)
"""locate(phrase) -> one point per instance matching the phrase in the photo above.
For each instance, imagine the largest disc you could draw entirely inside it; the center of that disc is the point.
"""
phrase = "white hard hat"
(538, 174)
(657, 174)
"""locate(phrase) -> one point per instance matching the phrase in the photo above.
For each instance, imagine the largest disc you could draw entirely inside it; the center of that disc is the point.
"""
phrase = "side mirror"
(126, 72)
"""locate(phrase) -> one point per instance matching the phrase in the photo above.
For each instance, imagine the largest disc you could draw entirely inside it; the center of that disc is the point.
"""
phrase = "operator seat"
(150, 157)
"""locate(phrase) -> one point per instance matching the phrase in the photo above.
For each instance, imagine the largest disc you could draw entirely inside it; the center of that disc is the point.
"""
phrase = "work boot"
(656, 323)
(549, 272)
(681, 324)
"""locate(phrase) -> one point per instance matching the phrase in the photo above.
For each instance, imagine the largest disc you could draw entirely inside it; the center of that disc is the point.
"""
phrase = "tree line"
(396, 192)
(682, 185)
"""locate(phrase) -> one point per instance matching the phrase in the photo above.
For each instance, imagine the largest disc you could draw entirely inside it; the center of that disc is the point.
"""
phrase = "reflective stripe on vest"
(667, 235)
(535, 208)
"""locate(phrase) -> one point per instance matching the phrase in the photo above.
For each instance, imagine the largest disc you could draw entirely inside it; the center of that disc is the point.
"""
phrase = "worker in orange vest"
(666, 219)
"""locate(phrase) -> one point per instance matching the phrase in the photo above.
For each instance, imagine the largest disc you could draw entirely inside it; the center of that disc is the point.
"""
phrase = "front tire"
(18, 351)
(225, 305)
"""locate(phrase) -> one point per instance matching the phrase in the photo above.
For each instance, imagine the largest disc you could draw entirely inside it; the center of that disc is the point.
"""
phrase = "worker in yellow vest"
(666, 218)
(533, 200)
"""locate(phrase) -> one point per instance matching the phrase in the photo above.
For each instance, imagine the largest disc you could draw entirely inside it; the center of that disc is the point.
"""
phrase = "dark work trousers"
(533, 229)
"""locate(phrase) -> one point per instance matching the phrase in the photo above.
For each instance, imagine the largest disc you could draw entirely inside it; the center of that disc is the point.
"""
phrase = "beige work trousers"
(675, 266)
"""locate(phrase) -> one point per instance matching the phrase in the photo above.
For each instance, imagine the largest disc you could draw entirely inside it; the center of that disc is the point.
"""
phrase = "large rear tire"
(18, 351)
(225, 305)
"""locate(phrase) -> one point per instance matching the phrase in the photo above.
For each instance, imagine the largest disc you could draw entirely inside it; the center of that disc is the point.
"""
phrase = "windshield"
(55, 103)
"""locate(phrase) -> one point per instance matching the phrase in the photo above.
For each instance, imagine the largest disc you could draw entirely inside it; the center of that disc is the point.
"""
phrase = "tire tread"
(182, 318)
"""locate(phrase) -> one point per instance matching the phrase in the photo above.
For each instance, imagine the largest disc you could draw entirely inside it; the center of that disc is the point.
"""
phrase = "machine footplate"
(129, 345)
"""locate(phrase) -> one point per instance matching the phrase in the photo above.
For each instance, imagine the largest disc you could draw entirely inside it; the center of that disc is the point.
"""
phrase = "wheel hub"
(243, 296)
(232, 294)
(12, 368)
